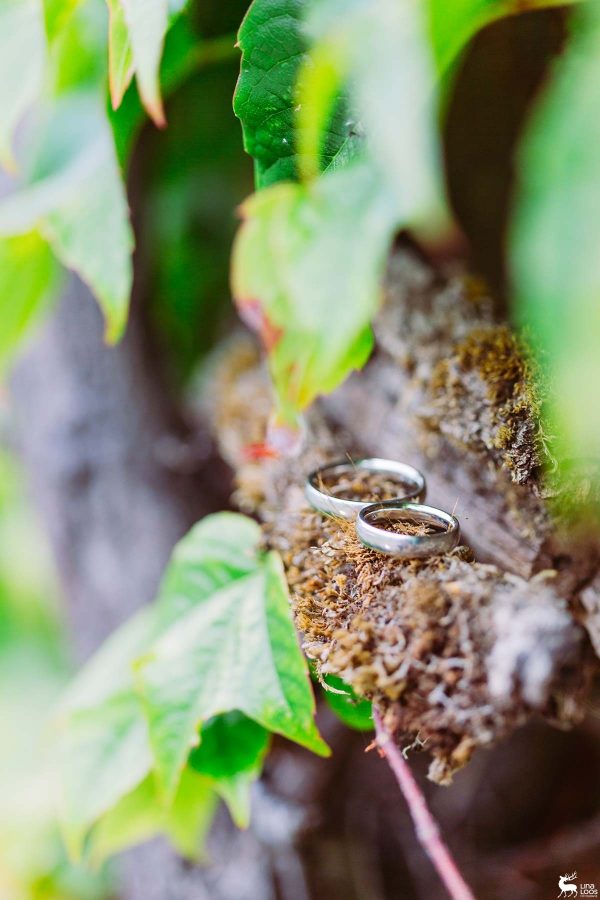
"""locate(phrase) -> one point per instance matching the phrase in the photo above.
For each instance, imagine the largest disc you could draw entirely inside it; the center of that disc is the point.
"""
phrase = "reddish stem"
(426, 827)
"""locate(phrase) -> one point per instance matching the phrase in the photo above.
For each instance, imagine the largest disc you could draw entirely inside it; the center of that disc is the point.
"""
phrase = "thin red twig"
(426, 827)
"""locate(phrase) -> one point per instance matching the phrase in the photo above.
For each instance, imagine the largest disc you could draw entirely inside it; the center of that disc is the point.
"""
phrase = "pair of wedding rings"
(375, 520)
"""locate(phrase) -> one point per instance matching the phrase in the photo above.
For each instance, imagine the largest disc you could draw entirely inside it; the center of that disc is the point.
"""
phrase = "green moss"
(504, 437)
(489, 400)
(499, 359)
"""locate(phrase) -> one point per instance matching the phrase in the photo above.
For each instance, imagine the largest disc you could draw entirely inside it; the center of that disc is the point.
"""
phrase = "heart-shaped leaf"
(235, 649)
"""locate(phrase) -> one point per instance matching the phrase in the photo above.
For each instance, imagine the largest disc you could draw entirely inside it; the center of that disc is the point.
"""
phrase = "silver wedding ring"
(411, 485)
(371, 530)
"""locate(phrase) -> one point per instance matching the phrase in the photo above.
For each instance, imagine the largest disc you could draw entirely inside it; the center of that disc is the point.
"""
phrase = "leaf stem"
(426, 827)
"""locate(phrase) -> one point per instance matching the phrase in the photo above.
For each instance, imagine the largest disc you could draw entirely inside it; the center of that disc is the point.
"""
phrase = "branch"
(463, 651)
(426, 827)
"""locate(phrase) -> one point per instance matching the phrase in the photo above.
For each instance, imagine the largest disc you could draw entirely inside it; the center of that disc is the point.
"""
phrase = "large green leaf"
(140, 815)
(108, 673)
(100, 722)
(75, 196)
(231, 753)
(22, 57)
(217, 551)
(236, 649)
(28, 275)
(99, 718)
(307, 267)
(103, 754)
(273, 46)
(555, 240)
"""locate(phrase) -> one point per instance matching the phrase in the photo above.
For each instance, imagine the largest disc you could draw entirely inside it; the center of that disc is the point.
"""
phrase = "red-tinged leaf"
(252, 314)
(314, 278)
(146, 22)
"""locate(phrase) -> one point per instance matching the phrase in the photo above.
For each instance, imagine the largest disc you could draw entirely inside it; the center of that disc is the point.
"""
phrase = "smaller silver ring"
(411, 485)
(407, 546)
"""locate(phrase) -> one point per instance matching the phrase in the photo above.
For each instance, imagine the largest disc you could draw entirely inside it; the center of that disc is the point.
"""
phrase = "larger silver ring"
(411, 485)
(408, 546)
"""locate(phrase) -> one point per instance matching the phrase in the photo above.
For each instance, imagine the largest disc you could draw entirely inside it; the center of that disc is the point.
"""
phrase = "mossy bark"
(461, 649)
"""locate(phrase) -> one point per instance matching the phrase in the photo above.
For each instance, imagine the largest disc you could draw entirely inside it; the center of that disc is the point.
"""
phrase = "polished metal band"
(407, 546)
(411, 485)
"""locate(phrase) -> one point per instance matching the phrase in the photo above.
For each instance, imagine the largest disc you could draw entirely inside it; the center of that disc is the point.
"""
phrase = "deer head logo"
(566, 889)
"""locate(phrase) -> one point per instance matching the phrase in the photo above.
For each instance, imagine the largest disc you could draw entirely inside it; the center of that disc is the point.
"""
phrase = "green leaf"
(108, 673)
(22, 58)
(308, 256)
(271, 43)
(102, 754)
(355, 712)
(75, 197)
(394, 99)
(220, 549)
(101, 733)
(78, 50)
(554, 241)
(320, 82)
(236, 649)
(453, 24)
(146, 22)
(91, 235)
(105, 758)
(120, 56)
(28, 275)
(191, 815)
(230, 743)
(180, 58)
(140, 816)
(231, 753)
(101, 729)
(235, 790)
(273, 46)
(56, 15)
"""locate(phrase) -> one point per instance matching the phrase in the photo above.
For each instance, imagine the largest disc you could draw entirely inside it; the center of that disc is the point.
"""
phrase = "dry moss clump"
(455, 652)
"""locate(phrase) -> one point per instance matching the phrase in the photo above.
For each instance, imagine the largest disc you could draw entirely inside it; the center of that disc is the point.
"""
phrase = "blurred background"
(103, 468)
